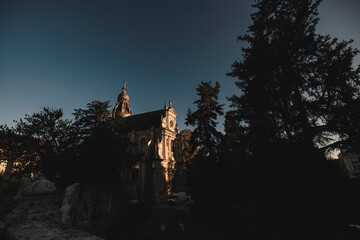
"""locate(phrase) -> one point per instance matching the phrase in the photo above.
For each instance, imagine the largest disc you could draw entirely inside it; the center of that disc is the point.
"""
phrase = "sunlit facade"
(155, 141)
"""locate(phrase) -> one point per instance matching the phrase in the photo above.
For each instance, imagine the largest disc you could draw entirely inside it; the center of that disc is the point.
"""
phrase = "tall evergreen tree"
(97, 115)
(205, 136)
(294, 82)
(297, 87)
(205, 140)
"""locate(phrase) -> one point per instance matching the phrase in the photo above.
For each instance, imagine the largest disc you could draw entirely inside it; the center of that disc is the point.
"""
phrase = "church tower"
(122, 108)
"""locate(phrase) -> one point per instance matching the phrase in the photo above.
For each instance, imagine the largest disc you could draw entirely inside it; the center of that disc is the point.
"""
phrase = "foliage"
(187, 149)
(52, 134)
(21, 150)
(103, 152)
(48, 126)
(234, 143)
(305, 80)
(95, 116)
(205, 141)
(205, 136)
(297, 89)
(93, 148)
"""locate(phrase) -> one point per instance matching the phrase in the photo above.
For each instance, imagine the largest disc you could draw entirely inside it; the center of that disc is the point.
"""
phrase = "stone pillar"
(25, 181)
(69, 204)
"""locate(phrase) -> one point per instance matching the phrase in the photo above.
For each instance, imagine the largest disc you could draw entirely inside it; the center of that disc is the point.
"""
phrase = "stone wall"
(40, 214)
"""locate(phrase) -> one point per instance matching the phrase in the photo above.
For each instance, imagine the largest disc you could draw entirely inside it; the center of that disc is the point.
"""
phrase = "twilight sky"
(67, 53)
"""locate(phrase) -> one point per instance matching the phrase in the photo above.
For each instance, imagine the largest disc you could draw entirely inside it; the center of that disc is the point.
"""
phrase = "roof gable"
(143, 121)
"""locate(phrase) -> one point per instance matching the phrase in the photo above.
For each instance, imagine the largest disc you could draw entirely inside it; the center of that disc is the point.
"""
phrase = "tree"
(95, 116)
(234, 143)
(19, 152)
(295, 82)
(53, 135)
(186, 147)
(205, 136)
(234, 155)
(205, 139)
(103, 149)
(297, 87)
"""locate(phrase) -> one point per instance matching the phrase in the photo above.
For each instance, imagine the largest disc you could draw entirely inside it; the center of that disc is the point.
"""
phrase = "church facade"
(154, 137)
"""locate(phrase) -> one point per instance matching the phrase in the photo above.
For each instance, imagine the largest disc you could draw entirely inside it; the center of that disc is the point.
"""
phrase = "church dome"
(123, 96)
(122, 108)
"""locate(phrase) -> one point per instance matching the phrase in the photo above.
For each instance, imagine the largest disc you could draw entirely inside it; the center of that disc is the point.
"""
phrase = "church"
(154, 136)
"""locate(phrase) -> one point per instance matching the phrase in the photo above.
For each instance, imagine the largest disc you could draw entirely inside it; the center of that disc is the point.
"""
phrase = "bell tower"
(122, 107)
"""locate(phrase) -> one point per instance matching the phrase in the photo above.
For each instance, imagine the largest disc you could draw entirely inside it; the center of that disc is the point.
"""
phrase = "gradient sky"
(67, 53)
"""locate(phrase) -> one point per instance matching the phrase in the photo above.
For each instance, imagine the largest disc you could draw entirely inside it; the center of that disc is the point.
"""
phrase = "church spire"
(122, 108)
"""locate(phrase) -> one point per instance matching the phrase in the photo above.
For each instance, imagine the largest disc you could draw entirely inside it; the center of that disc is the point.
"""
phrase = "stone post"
(25, 181)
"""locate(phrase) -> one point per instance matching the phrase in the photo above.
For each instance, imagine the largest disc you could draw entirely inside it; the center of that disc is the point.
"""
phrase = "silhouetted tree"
(97, 115)
(20, 153)
(205, 139)
(234, 155)
(297, 87)
(295, 83)
(103, 149)
(53, 136)
(234, 142)
(205, 136)
(188, 152)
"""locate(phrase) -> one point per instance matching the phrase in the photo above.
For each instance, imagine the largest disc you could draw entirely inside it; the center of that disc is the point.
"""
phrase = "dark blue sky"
(68, 53)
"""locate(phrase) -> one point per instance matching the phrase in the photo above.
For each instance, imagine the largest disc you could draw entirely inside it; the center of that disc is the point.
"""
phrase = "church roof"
(143, 121)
